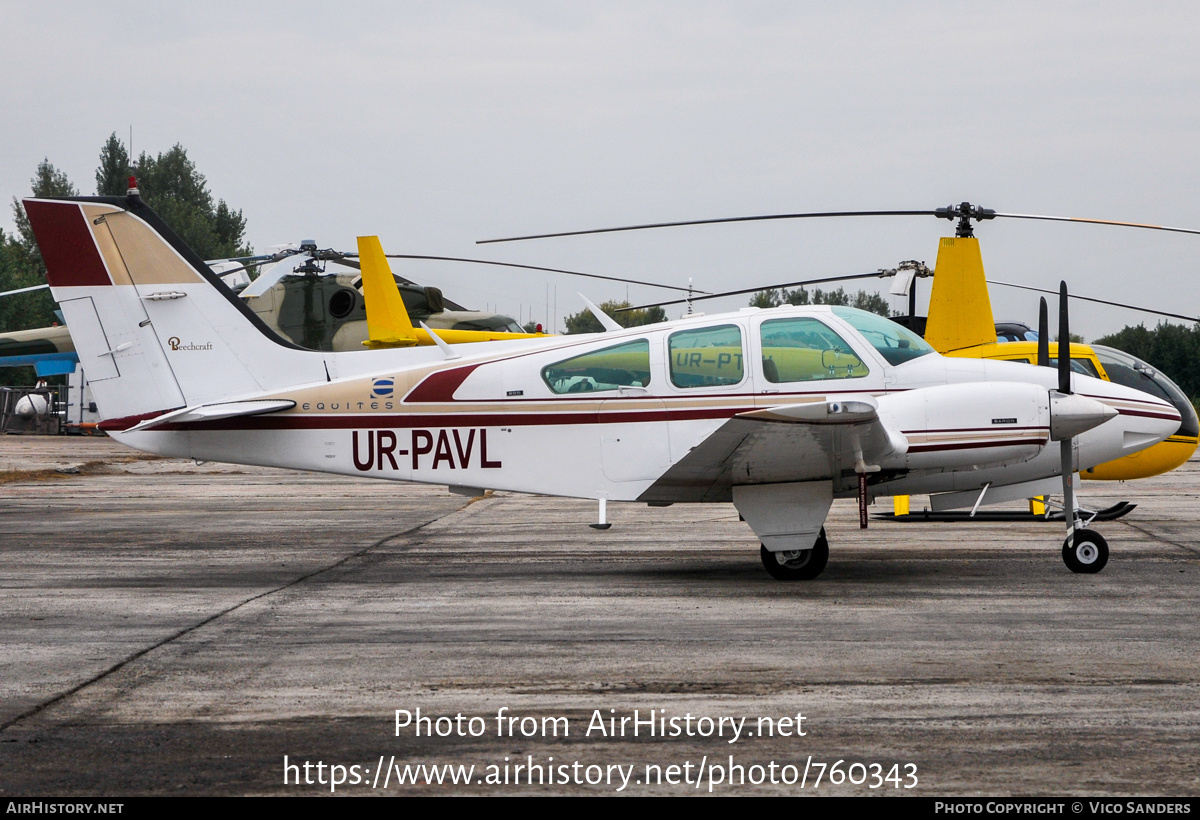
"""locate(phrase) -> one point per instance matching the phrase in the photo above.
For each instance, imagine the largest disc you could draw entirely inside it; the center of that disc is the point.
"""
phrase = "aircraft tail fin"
(154, 328)
(388, 324)
(960, 311)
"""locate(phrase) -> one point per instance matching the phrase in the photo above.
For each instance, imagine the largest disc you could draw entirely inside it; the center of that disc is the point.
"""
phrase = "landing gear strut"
(797, 565)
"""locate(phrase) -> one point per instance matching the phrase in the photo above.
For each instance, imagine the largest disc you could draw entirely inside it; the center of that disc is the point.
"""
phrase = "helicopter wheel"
(797, 565)
(1085, 551)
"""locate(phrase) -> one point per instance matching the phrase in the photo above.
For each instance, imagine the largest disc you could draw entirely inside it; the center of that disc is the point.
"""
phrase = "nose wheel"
(1085, 551)
(797, 565)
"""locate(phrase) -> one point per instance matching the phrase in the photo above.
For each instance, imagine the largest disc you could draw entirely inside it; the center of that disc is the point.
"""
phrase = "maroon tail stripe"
(67, 246)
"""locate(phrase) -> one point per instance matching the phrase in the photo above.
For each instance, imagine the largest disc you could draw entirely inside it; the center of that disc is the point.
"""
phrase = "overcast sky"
(434, 125)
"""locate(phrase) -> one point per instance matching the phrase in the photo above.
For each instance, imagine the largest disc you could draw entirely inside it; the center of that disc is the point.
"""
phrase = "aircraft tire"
(804, 567)
(1085, 551)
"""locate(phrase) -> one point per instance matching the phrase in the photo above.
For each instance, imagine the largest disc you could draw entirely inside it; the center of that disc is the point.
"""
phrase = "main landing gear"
(798, 565)
(1085, 551)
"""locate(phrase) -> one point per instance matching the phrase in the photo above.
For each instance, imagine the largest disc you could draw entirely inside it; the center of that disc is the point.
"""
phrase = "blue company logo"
(382, 388)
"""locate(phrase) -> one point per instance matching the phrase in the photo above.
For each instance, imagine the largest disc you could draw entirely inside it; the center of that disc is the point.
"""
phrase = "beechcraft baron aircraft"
(778, 411)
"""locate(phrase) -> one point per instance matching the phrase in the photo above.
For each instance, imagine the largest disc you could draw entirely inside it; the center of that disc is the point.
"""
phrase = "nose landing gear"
(1085, 551)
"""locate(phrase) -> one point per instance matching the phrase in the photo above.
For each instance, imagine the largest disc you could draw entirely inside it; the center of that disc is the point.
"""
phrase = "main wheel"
(797, 565)
(1085, 551)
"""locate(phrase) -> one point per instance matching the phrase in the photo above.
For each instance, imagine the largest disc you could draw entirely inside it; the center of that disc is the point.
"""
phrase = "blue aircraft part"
(45, 364)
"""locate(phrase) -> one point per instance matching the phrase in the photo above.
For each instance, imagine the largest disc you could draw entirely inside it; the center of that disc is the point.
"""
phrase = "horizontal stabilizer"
(222, 410)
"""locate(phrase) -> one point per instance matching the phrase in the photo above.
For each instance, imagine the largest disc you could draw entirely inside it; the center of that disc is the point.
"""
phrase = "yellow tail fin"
(388, 324)
(960, 312)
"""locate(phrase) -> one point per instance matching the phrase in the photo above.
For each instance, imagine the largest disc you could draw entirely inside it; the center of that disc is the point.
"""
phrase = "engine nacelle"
(960, 425)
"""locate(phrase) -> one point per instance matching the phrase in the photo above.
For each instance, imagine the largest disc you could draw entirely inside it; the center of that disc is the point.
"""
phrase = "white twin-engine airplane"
(779, 411)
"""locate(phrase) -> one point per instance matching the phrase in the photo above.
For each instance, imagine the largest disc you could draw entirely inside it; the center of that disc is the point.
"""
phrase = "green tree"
(863, 299)
(1173, 349)
(766, 299)
(21, 264)
(170, 184)
(112, 175)
(585, 322)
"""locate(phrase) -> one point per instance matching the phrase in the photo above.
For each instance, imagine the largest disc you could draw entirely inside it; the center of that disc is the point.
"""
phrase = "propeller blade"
(761, 218)
(1100, 222)
(533, 267)
(873, 274)
(1067, 445)
(1064, 342)
(1100, 301)
(1043, 354)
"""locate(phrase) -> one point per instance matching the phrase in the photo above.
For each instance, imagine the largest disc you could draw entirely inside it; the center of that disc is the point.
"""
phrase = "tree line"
(1172, 349)
(168, 182)
(585, 322)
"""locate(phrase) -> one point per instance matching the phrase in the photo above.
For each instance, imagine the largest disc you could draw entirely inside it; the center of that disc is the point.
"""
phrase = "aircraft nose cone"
(1072, 414)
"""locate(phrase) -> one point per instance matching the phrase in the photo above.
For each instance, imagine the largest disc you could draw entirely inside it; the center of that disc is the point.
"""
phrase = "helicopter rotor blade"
(248, 259)
(266, 280)
(874, 274)
(760, 218)
(533, 267)
(1100, 301)
(23, 290)
(1099, 222)
(964, 212)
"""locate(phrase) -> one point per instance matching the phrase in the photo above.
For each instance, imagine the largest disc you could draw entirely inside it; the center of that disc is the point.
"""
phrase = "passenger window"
(802, 349)
(708, 357)
(625, 365)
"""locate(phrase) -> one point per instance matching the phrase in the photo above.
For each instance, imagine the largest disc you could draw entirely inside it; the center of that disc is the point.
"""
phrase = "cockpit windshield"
(1131, 371)
(896, 343)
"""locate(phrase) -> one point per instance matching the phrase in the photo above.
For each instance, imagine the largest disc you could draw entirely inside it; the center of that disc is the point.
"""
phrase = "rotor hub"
(964, 213)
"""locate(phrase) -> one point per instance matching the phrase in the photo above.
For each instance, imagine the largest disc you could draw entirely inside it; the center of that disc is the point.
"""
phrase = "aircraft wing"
(812, 441)
(49, 350)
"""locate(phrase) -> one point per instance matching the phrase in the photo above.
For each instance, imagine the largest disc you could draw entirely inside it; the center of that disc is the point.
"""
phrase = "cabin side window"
(802, 349)
(708, 357)
(625, 365)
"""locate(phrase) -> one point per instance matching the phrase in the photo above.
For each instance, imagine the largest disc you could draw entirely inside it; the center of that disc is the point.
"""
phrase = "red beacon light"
(133, 192)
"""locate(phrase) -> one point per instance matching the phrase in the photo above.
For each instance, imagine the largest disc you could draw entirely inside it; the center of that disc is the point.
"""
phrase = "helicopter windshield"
(1131, 371)
(896, 343)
